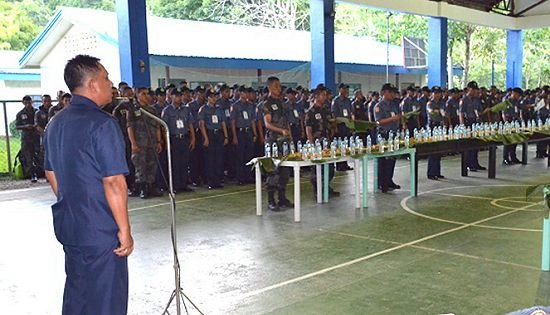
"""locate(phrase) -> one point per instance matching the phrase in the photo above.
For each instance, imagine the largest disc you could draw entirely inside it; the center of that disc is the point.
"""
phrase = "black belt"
(245, 129)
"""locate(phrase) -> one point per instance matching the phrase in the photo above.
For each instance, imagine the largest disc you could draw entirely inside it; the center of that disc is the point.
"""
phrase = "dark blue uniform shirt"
(83, 144)
(212, 117)
(243, 113)
(177, 119)
(385, 109)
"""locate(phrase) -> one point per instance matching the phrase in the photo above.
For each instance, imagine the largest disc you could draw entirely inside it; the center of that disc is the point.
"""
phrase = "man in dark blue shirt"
(85, 165)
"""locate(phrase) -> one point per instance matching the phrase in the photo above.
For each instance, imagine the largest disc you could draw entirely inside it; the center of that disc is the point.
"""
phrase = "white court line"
(370, 256)
(480, 197)
(433, 250)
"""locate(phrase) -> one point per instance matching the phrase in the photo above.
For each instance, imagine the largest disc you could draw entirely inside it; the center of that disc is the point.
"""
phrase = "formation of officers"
(215, 131)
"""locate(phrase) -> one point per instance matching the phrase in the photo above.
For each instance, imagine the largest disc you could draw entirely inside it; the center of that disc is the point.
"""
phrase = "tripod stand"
(177, 295)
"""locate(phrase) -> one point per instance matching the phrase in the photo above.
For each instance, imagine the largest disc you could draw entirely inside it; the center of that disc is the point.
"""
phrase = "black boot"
(154, 191)
(271, 204)
(144, 193)
(283, 201)
(135, 190)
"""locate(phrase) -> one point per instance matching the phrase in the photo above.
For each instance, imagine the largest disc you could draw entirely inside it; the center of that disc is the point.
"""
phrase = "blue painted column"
(514, 58)
(133, 48)
(437, 51)
(322, 43)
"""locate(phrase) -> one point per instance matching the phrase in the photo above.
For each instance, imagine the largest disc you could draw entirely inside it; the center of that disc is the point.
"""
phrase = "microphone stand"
(178, 295)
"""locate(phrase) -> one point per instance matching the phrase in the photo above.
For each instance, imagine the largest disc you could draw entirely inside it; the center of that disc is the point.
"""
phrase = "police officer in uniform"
(469, 108)
(318, 127)
(30, 140)
(120, 112)
(295, 115)
(160, 104)
(40, 121)
(85, 165)
(452, 108)
(224, 102)
(410, 104)
(436, 118)
(341, 107)
(244, 135)
(63, 102)
(197, 170)
(422, 101)
(510, 114)
(182, 139)
(214, 134)
(388, 120)
(146, 142)
(260, 127)
(276, 124)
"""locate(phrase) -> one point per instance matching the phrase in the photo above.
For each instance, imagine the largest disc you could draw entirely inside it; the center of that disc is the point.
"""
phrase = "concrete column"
(514, 58)
(133, 48)
(437, 51)
(322, 43)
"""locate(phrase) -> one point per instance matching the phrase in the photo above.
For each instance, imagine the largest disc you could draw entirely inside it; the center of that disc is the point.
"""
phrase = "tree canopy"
(474, 48)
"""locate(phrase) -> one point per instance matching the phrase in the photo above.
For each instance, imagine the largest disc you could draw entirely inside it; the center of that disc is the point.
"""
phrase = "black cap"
(210, 92)
(320, 88)
(250, 90)
(343, 86)
(290, 91)
(436, 89)
(199, 89)
(411, 88)
(176, 92)
(518, 90)
(425, 89)
(472, 85)
(387, 87)
(159, 91)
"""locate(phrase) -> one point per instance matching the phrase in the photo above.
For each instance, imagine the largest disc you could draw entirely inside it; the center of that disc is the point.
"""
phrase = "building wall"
(77, 41)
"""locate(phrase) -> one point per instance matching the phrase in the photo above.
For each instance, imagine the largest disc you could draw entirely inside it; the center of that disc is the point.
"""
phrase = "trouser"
(197, 170)
(509, 152)
(214, 158)
(296, 133)
(434, 161)
(29, 156)
(411, 125)
(131, 177)
(180, 161)
(313, 176)
(277, 180)
(145, 163)
(161, 178)
(229, 161)
(97, 281)
(542, 148)
(244, 154)
(343, 131)
(386, 168)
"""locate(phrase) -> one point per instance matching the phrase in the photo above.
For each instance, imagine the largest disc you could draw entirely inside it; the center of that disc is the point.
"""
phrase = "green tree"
(17, 28)
(106, 5)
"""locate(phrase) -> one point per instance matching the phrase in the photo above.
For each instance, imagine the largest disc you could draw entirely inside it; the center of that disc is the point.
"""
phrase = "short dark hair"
(66, 95)
(270, 80)
(78, 68)
(46, 96)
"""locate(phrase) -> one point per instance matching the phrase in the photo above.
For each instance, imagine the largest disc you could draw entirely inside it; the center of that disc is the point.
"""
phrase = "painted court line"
(434, 250)
(370, 256)
(479, 197)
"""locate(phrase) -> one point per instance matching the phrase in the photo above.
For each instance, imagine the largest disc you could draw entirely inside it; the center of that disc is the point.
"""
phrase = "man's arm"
(116, 193)
(50, 175)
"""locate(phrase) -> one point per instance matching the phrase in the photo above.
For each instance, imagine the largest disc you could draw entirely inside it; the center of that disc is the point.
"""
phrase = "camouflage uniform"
(145, 161)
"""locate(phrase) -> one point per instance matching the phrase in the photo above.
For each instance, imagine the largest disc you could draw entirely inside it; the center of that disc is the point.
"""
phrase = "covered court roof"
(169, 38)
(504, 14)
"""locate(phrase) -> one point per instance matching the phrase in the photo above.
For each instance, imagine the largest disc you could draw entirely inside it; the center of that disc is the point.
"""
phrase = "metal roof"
(9, 67)
(184, 38)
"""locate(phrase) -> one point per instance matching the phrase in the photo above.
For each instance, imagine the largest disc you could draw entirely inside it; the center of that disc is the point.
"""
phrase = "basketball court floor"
(465, 245)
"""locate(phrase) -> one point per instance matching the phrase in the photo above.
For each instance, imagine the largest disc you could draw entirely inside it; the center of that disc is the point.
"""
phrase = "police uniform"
(421, 102)
(409, 104)
(83, 145)
(230, 149)
(120, 113)
(145, 161)
(295, 117)
(197, 172)
(468, 106)
(54, 110)
(276, 181)
(318, 119)
(451, 112)
(242, 115)
(384, 109)
(436, 118)
(260, 128)
(341, 108)
(30, 142)
(162, 171)
(510, 114)
(214, 119)
(180, 124)
(40, 121)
